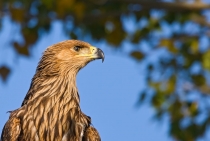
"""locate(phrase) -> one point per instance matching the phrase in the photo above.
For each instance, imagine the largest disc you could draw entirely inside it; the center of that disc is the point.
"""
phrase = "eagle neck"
(56, 87)
(71, 86)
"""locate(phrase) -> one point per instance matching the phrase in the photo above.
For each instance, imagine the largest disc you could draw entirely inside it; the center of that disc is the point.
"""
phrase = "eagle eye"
(77, 48)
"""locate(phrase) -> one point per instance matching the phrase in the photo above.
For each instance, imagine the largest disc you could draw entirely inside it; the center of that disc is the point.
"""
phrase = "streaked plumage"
(91, 134)
(51, 109)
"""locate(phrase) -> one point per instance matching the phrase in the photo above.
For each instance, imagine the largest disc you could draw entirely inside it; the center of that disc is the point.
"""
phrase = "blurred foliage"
(178, 81)
(4, 72)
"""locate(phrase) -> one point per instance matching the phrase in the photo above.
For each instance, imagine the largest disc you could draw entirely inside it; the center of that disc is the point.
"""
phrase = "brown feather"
(51, 109)
(11, 130)
(91, 134)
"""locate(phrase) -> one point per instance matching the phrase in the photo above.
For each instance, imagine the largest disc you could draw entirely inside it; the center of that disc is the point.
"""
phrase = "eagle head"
(69, 55)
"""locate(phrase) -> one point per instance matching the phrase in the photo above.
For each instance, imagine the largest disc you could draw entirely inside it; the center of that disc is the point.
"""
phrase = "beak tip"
(101, 54)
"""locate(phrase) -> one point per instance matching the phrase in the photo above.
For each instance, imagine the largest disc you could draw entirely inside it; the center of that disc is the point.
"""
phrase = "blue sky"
(108, 93)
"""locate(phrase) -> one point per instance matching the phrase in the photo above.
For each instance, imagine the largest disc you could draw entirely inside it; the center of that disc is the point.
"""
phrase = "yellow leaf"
(193, 108)
(169, 44)
(155, 85)
(206, 60)
(194, 46)
(171, 84)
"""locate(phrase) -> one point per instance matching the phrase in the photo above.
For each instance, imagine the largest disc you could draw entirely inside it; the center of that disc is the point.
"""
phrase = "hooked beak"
(97, 53)
(100, 54)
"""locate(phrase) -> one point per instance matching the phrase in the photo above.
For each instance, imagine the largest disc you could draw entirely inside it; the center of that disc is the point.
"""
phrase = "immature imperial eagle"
(51, 109)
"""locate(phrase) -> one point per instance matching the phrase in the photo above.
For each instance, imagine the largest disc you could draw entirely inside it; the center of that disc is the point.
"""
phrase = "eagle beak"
(100, 54)
(97, 53)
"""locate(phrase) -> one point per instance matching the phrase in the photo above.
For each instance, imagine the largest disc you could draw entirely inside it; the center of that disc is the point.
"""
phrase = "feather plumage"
(91, 134)
(51, 109)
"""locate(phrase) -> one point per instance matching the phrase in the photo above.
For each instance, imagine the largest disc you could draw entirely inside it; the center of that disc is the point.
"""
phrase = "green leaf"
(198, 79)
(193, 108)
(158, 99)
(136, 36)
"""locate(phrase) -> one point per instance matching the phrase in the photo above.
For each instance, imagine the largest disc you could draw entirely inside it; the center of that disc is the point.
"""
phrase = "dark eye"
(77, 48)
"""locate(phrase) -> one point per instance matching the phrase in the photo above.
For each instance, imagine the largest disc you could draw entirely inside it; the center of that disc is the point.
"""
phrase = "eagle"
(51, 108)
